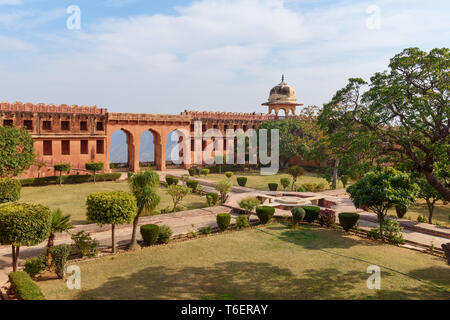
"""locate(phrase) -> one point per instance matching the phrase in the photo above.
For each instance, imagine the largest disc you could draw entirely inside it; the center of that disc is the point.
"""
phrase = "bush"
(59, 254)
(348, 220)
(35, 265)
(401, 210)
(327, 218)
(249, 204)
(224, 187)
(24, 287)
(228, 174)
(206, 230)
(311, 187)
(9, 190)
(191, 172)
(171, 180)
(265, 213)
(70, 179)
(242, 181)
(285, 182)
(422, 219)
(150, 233)
(298, 214)
(311, 213)
(95, 166)
(241, 222)
(192, 184)
(66, 167)
(130, 174)
(205, 172)
(273, 186)
(392, 232)
(223, 221)
(165, 233)
(212, 198)
(85, 245)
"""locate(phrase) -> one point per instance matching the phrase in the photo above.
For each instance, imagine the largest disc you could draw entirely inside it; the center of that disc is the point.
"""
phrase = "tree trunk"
(381, 222)
(133, 243)
(294, 180)
(15, 256)
(50, 243)
(60, 178)
(335, 174)
(113, 242)
(94, 176)
(437, 185)
(430, 205)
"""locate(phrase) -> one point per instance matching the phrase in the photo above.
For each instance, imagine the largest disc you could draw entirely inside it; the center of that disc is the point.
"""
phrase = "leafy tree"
(249, 204)
(40, 165)
(113, 207)
(178, 193)
(295, 172)
(66, 167)
(224, 187)
(9, 190)
(95, 166)
(59, 223)
(16, 151)
(380, 190)
(23, 224)
(143, 186)
(430, 195)
(405, 111)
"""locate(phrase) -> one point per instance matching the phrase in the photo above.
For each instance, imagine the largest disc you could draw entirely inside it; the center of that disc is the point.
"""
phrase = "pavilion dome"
(282, 94)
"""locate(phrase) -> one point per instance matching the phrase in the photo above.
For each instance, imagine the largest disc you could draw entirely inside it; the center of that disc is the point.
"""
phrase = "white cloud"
(10, 2)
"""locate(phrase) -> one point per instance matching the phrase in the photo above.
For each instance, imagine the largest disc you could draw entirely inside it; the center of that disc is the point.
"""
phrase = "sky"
(219, 55)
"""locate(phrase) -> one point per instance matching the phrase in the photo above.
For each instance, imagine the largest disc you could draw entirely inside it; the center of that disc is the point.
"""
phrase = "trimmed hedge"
(242, 222)
(401, 210)
(223, 221)
(164, 235)
(205, 172)
(298, 214)
(311, 213)
(348, 220)
(242, 181)
(228, 174)
(273, 186)
(265, 213)
(192, 184)
(24, 287)
(59, 254)
(191, 172)
(150, 233)
(327, 218)
(9, 190)
(171, 180)
(70, 179)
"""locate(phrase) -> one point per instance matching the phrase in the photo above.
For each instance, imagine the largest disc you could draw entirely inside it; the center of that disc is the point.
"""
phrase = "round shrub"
(171, 180)
(205, 172)
(165, 233)
(150, 233)
(9, 190)
(35, 265)
(273, 186)
(265, 213)
(228, 174)
(223, 221)
(59, 254)
(298, 214)
(242, 181)
(327, 218)
(285, 182)
(212, 198)
(401, 210)
(241, 222)
(192, 184)
(348, 220)
(191, 172)
(311, 213)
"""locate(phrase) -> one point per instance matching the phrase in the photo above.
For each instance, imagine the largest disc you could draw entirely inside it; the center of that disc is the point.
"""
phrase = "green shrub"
(285, 183)
(59, 254)
(24, 287)
(164, 235)
(112, 176)
(35, 265)
(150, 233)
(9, 190)
(373, 234)
(95, 166)
(242, 181)
(311, 213)
(273, 186)
(241, 222)
(191, 172)
(130, 174)
(205, 172)
(171, 180)
(228, 174)
(212, 198)
(224, 187)
(401, 210)
(422, 219)
(66, 167)
(223, 221)
(265, 213)
(206, 230)
(348, 220)
(298, 214)
(312, 187)
(248, 204)
(393, 231)
(192, 184)
(84, 244)
(327, 218)
(70, 179)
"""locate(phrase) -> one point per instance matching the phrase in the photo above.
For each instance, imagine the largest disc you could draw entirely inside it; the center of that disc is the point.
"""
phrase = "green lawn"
(271, 262)
(71, 198)
(256, 181)
(441, 212)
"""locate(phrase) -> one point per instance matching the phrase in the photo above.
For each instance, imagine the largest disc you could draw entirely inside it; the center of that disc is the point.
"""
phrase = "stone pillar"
(108, 153)
(133, 153)
(160, 151)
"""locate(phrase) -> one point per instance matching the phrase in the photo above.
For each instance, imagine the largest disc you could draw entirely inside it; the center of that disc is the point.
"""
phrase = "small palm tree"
(60, 223)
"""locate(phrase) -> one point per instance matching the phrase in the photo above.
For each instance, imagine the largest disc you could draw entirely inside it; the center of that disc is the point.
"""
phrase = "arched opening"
(119, 155)
(147, 150)
(282, 113)
(174, 153)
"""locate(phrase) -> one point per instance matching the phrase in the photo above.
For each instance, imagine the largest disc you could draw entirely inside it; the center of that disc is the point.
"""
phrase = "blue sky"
(168, 56)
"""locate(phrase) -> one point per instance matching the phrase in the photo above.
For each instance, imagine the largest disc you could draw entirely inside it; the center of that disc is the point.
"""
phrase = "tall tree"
(16, 151)
(405, 111)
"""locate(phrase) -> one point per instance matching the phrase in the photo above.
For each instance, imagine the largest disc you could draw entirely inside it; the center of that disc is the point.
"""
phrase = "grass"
(271, 262)
(71, 198)
(256, 181)
(441, 212)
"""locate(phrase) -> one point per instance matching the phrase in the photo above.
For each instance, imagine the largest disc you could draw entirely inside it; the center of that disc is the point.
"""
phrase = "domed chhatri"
(282, 97)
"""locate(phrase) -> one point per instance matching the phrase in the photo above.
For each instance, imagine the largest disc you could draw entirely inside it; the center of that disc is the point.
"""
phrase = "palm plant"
(59, 223)
(143, 185)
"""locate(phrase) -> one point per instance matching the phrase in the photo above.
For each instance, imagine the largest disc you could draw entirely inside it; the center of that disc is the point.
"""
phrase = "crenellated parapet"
(50, 108)
(148, 117)
(196, 115)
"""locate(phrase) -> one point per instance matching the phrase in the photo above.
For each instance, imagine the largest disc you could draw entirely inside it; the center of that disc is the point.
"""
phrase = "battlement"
(116, 116)
(51, 108)
(229, 115)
